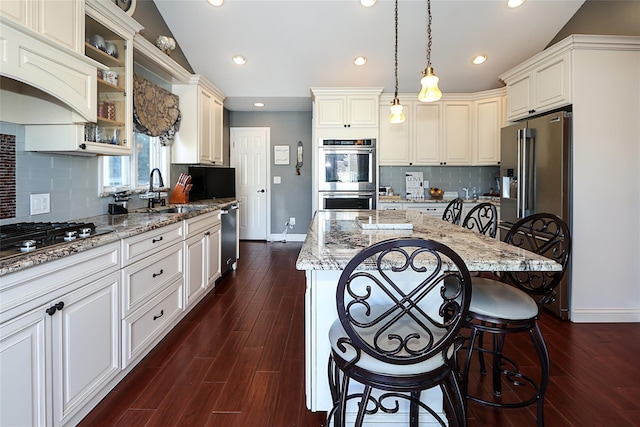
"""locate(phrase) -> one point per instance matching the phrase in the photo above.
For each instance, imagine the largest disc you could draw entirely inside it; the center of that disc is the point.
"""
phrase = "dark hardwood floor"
(237, 360)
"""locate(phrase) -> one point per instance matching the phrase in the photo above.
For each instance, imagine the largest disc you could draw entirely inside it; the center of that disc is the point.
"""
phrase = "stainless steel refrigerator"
(535, 169)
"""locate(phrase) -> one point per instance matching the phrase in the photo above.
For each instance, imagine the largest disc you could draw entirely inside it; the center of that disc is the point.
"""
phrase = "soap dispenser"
(474, 196)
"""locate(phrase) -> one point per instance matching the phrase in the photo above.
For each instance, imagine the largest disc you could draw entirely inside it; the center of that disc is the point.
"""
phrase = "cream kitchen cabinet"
(394, 145)
(346, 107)
(417, 141)
(111, 134)
(536, 87)
(200, 138)
(59, 336)
(460, 130)
(62, 21)
(443, 134)
(152, 288)
(202, 255)
(488, 120)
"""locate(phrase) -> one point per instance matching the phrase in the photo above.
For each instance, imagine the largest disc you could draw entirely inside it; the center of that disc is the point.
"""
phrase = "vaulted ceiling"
(292, 45)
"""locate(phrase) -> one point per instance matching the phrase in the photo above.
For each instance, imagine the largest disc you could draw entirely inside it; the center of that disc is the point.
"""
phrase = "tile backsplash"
(7, 176)
(448, 178)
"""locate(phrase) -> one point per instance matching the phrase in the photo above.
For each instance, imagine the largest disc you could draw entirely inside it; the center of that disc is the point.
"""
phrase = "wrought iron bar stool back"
(453, 211)
(512, 305)
(482, 218)
(401, 304)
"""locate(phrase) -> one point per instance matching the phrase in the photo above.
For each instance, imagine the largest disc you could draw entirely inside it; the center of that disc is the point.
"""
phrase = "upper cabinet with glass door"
(109, 36)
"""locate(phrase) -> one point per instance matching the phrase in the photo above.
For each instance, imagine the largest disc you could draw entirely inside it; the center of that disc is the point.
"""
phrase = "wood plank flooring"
(237, 360)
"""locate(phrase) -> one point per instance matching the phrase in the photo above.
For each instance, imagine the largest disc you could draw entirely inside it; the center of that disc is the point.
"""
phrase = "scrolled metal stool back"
(453, 211)
(547, 235)
(482, 218)
(403, 300)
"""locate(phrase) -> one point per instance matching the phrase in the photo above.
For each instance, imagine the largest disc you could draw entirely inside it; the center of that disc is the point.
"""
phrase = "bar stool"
(397, 330)
(482, 218)
(453, 211)
(512, 305)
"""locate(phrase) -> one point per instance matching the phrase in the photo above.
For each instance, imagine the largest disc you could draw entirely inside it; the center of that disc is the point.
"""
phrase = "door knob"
(261, 191)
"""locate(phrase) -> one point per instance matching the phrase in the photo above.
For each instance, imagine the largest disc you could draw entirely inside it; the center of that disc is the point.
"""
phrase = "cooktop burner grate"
(43, 233)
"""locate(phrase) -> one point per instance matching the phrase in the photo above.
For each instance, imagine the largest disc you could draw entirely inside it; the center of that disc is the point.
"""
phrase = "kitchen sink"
(176, 209)
(167, 210)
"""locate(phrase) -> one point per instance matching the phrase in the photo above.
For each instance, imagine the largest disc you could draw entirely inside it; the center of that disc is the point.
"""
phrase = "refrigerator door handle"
(520, 187)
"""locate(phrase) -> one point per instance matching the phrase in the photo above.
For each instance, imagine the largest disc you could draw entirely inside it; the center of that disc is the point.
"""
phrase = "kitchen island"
(334, 237)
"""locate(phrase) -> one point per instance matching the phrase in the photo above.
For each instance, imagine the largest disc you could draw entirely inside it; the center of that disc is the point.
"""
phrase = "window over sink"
(132, 172)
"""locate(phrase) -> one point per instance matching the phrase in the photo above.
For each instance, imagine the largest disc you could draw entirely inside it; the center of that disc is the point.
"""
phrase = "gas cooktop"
(26, 237)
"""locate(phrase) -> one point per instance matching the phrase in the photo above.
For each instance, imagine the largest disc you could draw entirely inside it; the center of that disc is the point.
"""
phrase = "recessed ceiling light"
(479, 59)
(216, 2)
(360, 60)
(239, 59)
(258, 104)
(367, 3)
(514, 3)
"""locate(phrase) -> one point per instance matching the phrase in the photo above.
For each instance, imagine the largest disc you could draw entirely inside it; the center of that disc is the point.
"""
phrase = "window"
(132, 173)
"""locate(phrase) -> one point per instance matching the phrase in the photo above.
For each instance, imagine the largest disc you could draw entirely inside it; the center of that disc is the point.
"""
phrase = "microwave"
(347, 165)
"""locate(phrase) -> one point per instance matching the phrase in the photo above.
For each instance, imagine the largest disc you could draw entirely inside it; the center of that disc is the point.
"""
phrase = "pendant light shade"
(429, 91)
(396, 108)
(397, 116)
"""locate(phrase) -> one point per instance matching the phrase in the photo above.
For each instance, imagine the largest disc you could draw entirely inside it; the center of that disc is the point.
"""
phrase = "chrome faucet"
(154, 200)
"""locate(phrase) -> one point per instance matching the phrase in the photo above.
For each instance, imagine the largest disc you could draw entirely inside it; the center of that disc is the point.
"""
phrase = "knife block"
(179, 195)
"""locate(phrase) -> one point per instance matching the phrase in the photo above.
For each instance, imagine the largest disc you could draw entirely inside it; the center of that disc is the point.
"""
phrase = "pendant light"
(430, 91)
(396, 108)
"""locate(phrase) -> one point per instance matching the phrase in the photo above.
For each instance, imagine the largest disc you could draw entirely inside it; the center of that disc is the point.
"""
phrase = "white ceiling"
(293, 45)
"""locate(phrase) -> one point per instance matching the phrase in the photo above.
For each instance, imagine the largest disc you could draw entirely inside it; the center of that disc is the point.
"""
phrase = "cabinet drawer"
(141, 246)
(436, 211)
(143, 279)
(200, 223)
(141, 328)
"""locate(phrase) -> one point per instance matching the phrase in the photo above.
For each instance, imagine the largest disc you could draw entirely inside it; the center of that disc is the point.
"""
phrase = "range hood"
(43, 82)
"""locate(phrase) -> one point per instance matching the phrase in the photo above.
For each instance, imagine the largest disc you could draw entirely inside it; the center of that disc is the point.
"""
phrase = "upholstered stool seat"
(497, 299)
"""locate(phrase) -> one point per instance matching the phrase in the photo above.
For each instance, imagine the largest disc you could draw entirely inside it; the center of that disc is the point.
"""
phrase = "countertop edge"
(120, 226)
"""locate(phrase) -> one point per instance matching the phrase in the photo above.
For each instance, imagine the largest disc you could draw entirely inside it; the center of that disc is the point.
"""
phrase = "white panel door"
(250, 157)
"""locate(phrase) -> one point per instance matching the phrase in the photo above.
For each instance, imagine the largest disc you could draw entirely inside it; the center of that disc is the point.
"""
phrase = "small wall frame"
(280, 154)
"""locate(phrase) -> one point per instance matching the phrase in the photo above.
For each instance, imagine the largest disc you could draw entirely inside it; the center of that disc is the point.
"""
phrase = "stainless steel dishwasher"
(229, 238)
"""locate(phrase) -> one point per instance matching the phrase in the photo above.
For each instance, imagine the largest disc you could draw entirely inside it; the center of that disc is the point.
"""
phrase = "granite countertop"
(116, 227)
(334, 237)
(494, 200)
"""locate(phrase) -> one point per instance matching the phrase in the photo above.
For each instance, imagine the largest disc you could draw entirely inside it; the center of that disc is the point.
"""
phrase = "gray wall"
(620, 18)
(291, 198)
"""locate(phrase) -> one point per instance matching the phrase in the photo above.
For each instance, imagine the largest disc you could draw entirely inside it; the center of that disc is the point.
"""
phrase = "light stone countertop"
(334, 238)
(137, 221)
(493, 200)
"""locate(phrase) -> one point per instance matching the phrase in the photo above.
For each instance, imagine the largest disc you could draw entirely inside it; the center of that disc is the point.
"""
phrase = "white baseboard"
(605, 315)
(279, 237)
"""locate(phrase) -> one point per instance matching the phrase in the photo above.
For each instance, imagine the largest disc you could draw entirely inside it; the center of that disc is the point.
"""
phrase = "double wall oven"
(347, 174)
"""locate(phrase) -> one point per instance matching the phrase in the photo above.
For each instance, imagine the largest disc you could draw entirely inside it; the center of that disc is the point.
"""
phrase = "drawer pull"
(51, 310)
(208, 233)
(157, 274)
(156, 240)
(159, 316)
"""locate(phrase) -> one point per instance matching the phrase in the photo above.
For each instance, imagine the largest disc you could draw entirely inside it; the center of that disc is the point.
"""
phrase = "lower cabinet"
(62, 346)
(202, 255)
(145, 325)
(86, 344)
(70, 329)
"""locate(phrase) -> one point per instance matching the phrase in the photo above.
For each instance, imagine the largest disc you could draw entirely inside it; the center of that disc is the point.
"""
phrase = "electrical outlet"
(292, 221)
(39, 204)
